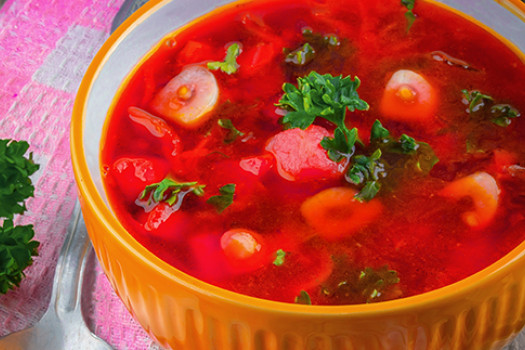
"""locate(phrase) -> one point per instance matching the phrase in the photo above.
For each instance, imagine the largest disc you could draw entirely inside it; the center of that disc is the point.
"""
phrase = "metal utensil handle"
(67, 284)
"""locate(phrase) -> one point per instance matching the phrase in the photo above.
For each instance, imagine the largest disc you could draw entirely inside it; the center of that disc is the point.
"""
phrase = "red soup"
(324, 152)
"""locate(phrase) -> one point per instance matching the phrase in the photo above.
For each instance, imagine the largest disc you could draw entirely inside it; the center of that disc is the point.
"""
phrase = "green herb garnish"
(279, 257)
(17, 246)
(224, 199)
(499, 114)
(303, 298)
(368, 171)
(502, 114)
(475, 99)
(327, 97)
(374, 282)
(409, 14)
(233, 131)
(229, 65)
(301, 56)
(171, 191)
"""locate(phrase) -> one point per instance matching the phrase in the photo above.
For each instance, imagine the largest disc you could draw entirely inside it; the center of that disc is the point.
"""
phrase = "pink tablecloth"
(45, 48)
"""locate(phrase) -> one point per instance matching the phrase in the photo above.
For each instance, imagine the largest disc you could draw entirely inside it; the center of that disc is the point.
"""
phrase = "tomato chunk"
(158, 128)
(300, 156)
(166, 222)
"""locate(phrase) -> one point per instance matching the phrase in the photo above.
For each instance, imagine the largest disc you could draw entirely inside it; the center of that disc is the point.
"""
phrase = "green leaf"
(303, 298)
(365, 168)
(373, 282)
(279, 257)
(323, 96)
(171, 191)
(224, 199)
(340, 145)
(502, 114)
(378, 132)
(409, 14)
(17, 249)
(229, 65)
(15, 182)
(369, 191)
(475, 99)
(301, 56)
(408, 144)
(233, 131)
(326, 97)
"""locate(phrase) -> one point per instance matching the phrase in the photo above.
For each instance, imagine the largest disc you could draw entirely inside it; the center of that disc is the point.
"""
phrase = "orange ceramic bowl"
(483, 311)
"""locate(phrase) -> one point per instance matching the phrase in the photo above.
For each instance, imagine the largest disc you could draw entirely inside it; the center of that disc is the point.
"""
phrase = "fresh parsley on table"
(17, 246)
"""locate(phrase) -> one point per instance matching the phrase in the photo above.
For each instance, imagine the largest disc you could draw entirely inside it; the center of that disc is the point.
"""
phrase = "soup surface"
(390, 162)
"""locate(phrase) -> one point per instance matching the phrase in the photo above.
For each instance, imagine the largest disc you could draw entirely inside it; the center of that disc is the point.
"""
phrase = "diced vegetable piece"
(131, 175)
(408, 96)
(195, 51)
(257, 57)
(244, 249)
(258, 165)
(483, 190)
(335, 212)
(300, 156)
(188, 98)
(157, 127)
(240, 244)
(166, 222)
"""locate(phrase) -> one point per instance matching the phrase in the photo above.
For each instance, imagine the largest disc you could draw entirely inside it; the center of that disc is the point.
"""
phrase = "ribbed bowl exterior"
(485, 316)
(481, 312)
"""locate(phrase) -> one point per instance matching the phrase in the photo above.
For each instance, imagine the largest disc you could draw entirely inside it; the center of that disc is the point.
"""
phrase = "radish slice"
(408, 97)
(188, 97)
(484, 191)
(300, 156)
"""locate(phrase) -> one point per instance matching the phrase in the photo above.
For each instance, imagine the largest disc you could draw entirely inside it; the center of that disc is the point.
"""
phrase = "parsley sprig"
(409, 14)
(17, 246)
(327, 97)
(229, 65)
(233, 132)
(224, 199)
(480, 103)
(170, 191)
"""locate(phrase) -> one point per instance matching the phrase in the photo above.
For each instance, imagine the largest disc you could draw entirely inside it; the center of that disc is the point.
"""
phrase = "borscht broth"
(323, 152)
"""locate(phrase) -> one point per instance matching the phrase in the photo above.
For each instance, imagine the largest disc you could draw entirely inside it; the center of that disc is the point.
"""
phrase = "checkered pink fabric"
(45, 48)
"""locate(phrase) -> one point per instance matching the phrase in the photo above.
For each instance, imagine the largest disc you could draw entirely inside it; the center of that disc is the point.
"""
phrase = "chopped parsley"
(170, 191)
(279, 257)
(327, 97)
(475, 99)
(499, 114)
(366, 285)
(374, 283)
(233, 132)
(17, 246)
(229, 65)
(409, 14)
(303, 298)
(301, 56)
(368, 171)
(224, 199)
